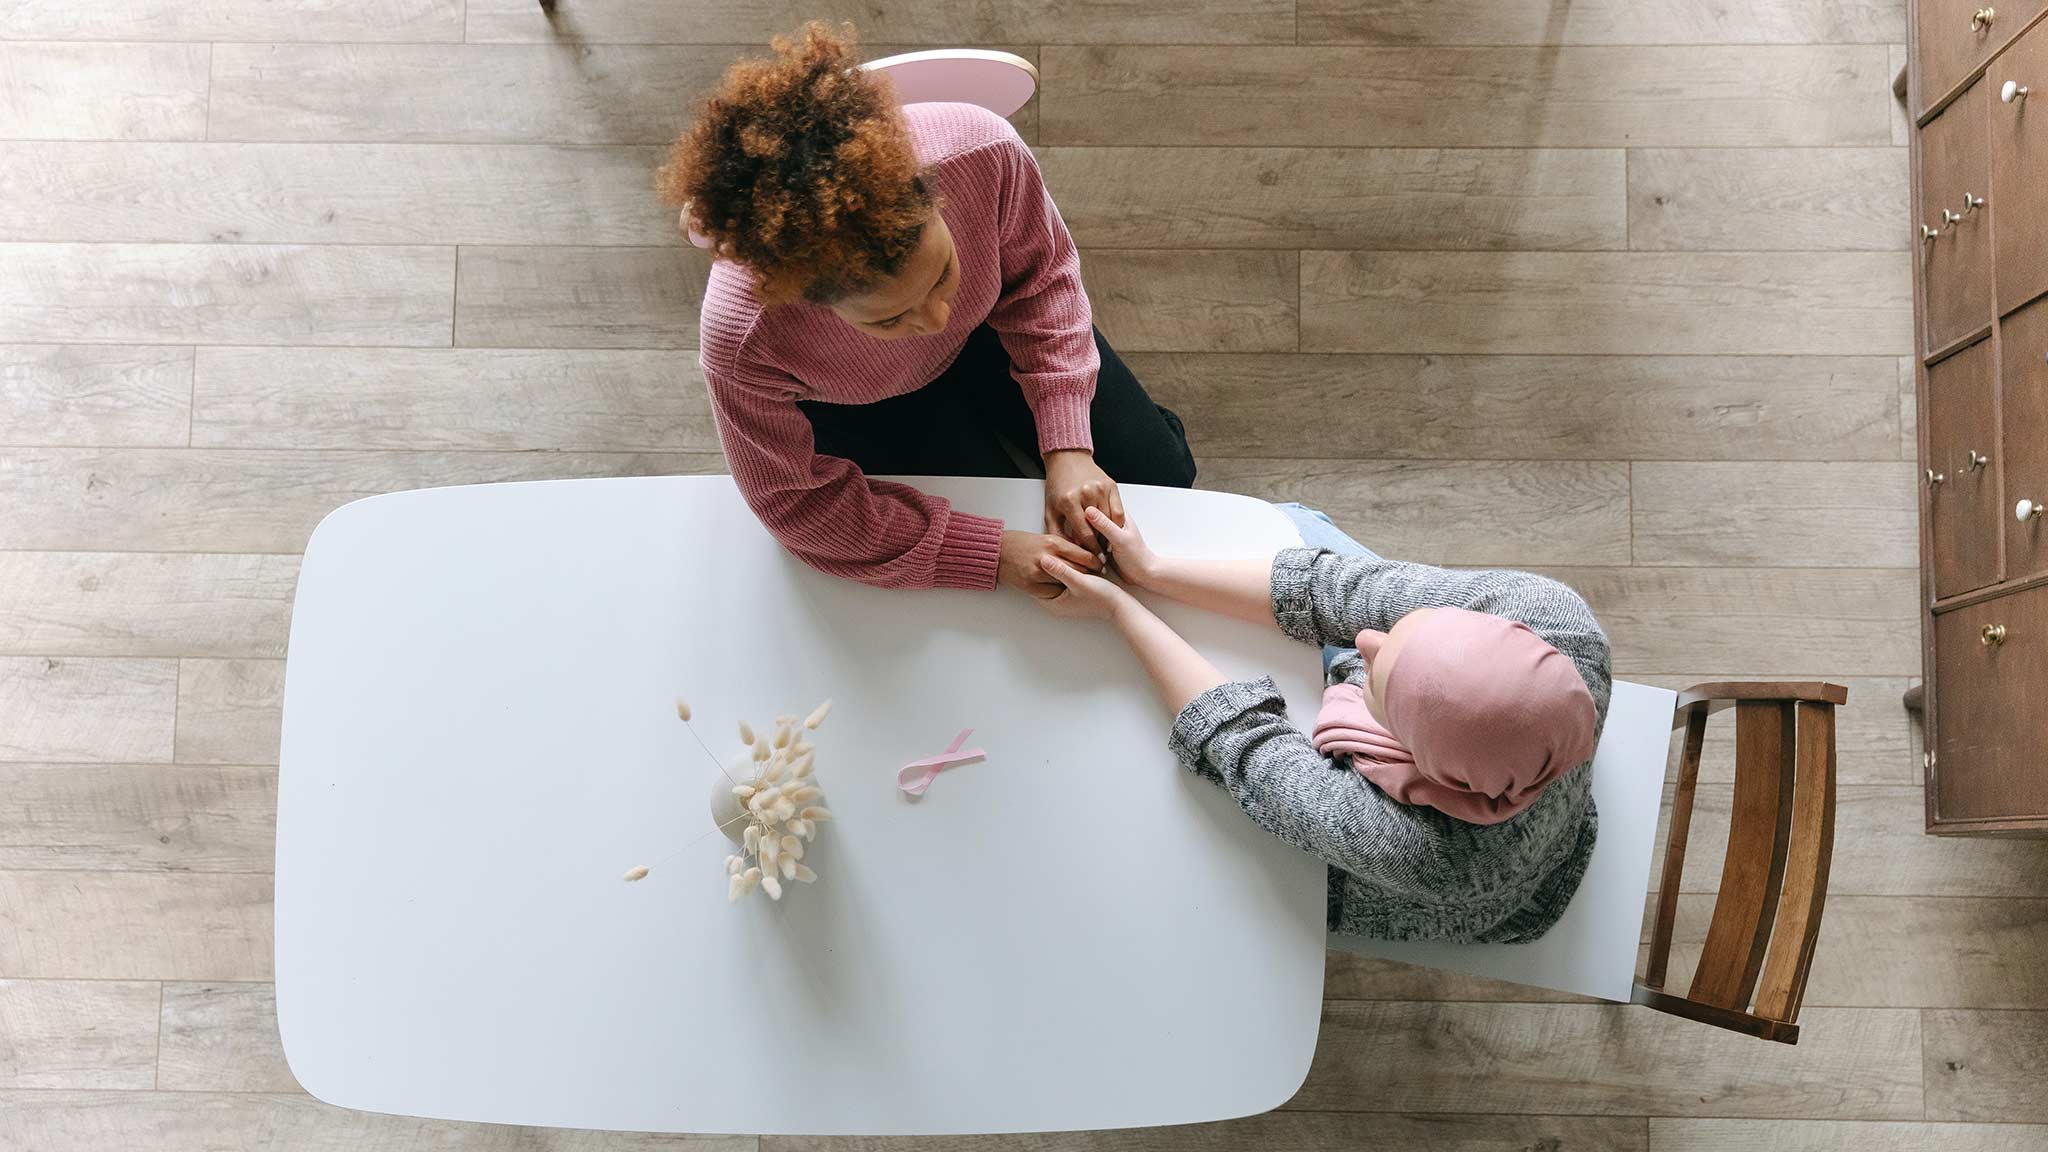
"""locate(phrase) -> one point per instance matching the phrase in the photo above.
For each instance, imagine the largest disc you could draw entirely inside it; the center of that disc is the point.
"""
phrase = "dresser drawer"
(2018, 133)
(1955, 36)
(1991, 734)
(1955, 234)
(2023, 391)
(1962, 492)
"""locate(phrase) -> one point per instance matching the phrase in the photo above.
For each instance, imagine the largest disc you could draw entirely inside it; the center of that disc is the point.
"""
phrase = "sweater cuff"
(968, 552)
(1063, 422)
(1206, 715)
(1292, 605)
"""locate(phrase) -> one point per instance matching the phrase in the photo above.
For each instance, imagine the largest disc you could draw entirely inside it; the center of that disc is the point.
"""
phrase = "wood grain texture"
(56, 394)
(1530, 407)
(1213, 301)
(1602, 22)
(1782, 622)
(1768, 199)
(474, 94)
(332, 194)
(553, 93)
(1882, 951)
(1422, 198)
(1609, 1059)
(1986, 1065)
(1278, 1132)
(1691, 303)
(250, 294)
(74, 709)
(141, 499)
(1838, 515)
(221, 1038)
(140, 604)
(1880, 850)
(1594, 97)
(77, 1034)
(1873, 734)
(137, 817)
(135, 925)
(1454, 512)
(229, 711)
(557, 297)
(214, 1121)
(57, 91)
(1350, 976)
(1841, 1136)
(936, 25)
(351, 20)
(498, 400)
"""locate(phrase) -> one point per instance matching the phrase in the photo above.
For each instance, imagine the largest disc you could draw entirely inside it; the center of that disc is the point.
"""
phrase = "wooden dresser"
(1978, 93)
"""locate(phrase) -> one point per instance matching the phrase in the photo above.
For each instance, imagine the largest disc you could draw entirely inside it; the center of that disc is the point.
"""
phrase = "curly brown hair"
(800, 168)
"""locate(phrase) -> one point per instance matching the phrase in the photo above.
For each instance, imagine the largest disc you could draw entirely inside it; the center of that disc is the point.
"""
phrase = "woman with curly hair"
(894, 292)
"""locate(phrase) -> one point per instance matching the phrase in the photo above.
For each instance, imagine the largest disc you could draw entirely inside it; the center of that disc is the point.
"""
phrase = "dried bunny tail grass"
(746, 732)
(637, 872)
(818, 715)
(791, 846)
(788, 868)
(806, 794)
(735, 887)
(762, 752)
(800, 768)
(785, 720)
(771, 886)
(735, 864)
(781, 737)
(817, 813)
(804, 875)
(743, 790)
(682, 710)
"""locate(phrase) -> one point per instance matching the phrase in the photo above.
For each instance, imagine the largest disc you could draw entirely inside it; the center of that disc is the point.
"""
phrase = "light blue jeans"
(1319, 531)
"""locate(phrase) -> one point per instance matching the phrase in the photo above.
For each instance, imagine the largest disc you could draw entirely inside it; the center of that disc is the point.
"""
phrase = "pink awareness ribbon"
(918, 775)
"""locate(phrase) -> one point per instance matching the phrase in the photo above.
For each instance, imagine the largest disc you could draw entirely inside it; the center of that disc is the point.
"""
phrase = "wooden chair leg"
(1674, 847)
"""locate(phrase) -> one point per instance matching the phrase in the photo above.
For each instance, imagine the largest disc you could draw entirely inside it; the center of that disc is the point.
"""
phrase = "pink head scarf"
(1482, 714)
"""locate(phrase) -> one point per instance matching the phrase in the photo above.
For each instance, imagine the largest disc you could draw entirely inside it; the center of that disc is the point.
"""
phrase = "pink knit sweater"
(1019, 273)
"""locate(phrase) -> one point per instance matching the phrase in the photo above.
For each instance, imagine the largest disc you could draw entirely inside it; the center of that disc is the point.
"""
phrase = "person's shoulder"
(944, 132)
(731, 311)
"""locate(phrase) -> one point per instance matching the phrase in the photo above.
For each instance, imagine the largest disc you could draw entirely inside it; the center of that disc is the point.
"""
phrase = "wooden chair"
(1774, 879)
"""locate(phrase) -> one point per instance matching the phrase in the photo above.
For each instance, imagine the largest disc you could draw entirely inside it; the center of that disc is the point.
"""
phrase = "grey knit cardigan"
(1402, 872)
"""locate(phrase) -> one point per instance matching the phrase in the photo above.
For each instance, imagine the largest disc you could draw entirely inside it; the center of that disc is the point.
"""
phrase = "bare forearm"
(1178, 671)
(1240, 588)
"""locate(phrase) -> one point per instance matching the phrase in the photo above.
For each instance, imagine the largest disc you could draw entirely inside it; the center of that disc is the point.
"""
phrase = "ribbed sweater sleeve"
(821, 508)
(1043, 314)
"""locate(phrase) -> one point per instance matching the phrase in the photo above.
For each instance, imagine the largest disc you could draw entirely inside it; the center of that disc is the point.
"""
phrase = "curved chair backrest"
(998, 81)
(1752, 967)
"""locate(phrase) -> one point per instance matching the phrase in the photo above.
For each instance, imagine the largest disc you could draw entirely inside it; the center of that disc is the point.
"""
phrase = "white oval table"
(480, 738)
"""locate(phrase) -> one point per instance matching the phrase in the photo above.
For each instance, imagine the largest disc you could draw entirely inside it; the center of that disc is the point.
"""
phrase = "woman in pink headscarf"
(1447, 783)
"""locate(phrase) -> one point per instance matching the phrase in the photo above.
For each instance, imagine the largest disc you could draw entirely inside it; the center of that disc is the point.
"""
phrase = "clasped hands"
(1077, 491)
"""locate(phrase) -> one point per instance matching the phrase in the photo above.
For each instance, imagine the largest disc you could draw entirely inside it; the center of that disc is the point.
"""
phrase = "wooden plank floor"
(1614, 289)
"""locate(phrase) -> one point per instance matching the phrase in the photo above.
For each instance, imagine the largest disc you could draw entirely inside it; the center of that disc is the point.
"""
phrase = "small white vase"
(726, 810)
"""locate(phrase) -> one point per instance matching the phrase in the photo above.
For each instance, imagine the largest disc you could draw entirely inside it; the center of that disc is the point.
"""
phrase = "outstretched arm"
(1178, 672)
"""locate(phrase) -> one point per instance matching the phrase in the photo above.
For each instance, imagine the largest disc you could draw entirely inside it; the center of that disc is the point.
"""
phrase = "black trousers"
(957, 424)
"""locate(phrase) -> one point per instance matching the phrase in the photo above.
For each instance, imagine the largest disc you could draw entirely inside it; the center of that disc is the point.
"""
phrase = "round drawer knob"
(2026, 510)
(1929, 234)
(1981, 19)
(1934, 478)
(1993, 634)
(1951, 218)
(2013, 90)
(1971, 203)
(1977, 461)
